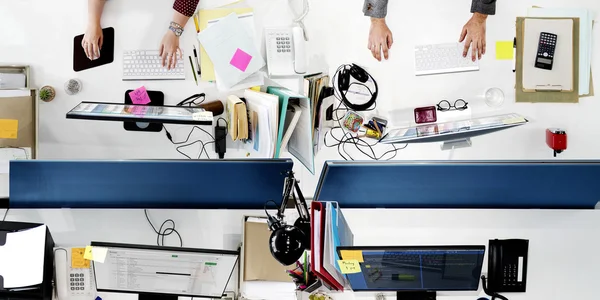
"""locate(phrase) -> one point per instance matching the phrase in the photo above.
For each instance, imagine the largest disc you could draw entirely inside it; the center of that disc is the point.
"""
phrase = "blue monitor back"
(206, 184)
(461, 184)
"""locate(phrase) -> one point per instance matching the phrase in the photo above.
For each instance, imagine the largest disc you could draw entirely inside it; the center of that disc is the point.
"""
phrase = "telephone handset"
(73, 283)
(286, 51)
(507, 267)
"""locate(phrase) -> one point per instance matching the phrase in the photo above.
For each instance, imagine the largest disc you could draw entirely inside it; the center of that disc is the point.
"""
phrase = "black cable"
(350, 138)
(494, 295)
(162, 233)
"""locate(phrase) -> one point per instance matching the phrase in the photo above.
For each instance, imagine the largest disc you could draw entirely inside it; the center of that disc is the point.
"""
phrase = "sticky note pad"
(349, 266)
(9, 128)
(77, 260)
(87, 254)
(352, 254)
(241, 60)
(139, 96)
(504, 50)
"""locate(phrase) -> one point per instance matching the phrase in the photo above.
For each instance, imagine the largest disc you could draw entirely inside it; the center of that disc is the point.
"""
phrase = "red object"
(556, 139)
(425, 114)
(322, 273)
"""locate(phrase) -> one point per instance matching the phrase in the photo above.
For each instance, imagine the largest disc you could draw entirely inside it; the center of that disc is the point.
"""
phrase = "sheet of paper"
(14, 93)
(77, 260)
(99, 254)
(352, 255)
(261, 138)
(505, 50)
(8, 154)
(256, 79)
(349, 266)
(268, 290)
(22, 257)
(208, 17)
(221, 41)
(561, 74)
(586, 22)
(9, 128)
(208, 4)
(300, 144)
(139, 96)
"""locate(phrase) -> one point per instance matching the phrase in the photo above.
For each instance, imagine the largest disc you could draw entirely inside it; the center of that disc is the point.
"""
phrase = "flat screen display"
(419, 268)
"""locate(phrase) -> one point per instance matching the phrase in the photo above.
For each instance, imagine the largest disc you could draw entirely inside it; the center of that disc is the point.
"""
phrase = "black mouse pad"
(157, 98)
(107, 53)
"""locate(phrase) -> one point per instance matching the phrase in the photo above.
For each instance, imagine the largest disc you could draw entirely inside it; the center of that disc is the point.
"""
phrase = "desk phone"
(286, 54)
(73, 283)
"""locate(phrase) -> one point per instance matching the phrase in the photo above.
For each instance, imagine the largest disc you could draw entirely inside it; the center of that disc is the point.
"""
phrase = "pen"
(196, 23)
(193, 71)
(197, 61)
(515, 55)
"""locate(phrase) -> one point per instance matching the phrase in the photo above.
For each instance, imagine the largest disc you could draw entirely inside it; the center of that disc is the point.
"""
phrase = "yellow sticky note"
(352, 254)
(88, 253)
(349, 266)
(77, 260)
(9, 128)
(504, 50)
(255, 88)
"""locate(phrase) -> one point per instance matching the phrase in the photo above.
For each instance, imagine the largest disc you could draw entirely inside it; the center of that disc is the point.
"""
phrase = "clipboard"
(545, 95)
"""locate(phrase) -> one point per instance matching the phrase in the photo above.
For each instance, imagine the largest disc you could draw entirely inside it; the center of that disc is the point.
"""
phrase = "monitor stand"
(144, 296)
(420, 295)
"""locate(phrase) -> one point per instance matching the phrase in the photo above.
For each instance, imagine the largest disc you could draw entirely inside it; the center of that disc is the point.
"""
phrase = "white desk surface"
(564, 244)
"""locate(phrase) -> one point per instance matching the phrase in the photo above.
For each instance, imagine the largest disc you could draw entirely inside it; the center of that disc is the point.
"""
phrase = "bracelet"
(174, 24)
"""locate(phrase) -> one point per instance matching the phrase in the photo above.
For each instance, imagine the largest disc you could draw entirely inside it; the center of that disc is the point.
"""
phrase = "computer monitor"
(416, 268)
(156, 272)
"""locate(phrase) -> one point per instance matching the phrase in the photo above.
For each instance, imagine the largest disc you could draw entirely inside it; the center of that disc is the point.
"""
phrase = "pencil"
(193, 71)
(196, 22)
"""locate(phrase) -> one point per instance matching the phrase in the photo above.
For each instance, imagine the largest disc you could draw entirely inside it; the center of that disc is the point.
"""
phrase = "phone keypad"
(77, 282)
(547, 45)
(283, 44)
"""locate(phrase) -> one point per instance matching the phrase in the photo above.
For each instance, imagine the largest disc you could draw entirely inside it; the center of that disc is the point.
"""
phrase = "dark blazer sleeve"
(186, 7)
(375, 8)
(487, 7)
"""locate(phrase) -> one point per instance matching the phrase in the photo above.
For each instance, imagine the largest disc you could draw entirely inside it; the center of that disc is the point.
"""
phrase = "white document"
(272, 103)
(561, 75)
(586, 22)
(22, 258)
(261, 143)
(256, 79)
(8, 154)
(301, 143)
(232, 51)
(268, 290)
(317, 239)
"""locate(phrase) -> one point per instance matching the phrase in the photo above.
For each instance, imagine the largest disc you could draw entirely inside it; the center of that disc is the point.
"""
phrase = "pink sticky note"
(241, 60)
(139, 96)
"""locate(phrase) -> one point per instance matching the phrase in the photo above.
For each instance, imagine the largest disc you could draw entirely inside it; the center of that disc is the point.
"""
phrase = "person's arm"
(93, 38)
(473, 33)
(380, 36)
(169, 46)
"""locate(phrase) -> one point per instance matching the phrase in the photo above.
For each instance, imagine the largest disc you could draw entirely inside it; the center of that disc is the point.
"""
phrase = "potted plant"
(73, 86)
(47, 93)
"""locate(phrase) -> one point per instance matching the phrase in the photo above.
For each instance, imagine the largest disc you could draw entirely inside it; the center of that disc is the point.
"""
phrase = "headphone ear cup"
(359, 73)
(344, 80)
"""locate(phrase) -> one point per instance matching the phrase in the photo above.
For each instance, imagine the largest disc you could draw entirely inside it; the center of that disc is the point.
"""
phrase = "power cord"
(494, 295)
(163, 231)
(350, 138)
(299, 17)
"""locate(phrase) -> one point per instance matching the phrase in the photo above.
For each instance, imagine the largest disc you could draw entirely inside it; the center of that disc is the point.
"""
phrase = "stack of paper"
(586, 19)
(229, 52)
(237, 118)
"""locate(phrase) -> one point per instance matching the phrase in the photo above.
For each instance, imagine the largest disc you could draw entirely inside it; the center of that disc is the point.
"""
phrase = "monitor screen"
(164, 270)
(437, 268)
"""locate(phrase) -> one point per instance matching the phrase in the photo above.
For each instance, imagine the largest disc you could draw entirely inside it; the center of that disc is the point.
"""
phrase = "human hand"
(92, 41)
(473, 33)
(380, 38)
(169, 49)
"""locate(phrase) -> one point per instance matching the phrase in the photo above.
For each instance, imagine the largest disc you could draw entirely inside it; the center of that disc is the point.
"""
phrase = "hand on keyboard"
(169, 50)
(380, 38)
(473, 33)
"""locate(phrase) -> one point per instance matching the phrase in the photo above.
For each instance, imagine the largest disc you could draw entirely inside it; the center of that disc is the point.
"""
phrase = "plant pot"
(47, 93)
(73, 86)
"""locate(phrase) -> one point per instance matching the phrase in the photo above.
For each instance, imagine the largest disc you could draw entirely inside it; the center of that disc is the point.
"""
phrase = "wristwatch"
(176, 28)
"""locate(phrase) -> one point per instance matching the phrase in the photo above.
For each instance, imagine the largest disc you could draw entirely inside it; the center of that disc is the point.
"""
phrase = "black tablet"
(107, 53)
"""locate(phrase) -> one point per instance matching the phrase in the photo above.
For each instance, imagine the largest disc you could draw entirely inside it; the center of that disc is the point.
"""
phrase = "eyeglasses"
(445, 105)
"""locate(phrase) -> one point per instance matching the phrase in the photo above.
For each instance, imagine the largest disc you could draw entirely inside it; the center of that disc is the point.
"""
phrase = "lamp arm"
(291, 185)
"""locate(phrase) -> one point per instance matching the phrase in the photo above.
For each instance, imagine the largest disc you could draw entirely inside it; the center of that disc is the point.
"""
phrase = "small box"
(425, 115)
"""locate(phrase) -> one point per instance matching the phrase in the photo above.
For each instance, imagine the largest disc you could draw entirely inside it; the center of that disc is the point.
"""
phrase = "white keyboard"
(147, 65)
(443, 58)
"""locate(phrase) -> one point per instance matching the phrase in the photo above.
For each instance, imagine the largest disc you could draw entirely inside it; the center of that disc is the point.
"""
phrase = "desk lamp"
(287, 243)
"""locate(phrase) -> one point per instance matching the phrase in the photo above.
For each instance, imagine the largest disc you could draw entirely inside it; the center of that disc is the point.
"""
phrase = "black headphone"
(362, 76)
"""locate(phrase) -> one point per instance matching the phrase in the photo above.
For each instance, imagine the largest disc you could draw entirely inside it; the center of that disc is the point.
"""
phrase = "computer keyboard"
(147, 65)
(443, 58)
